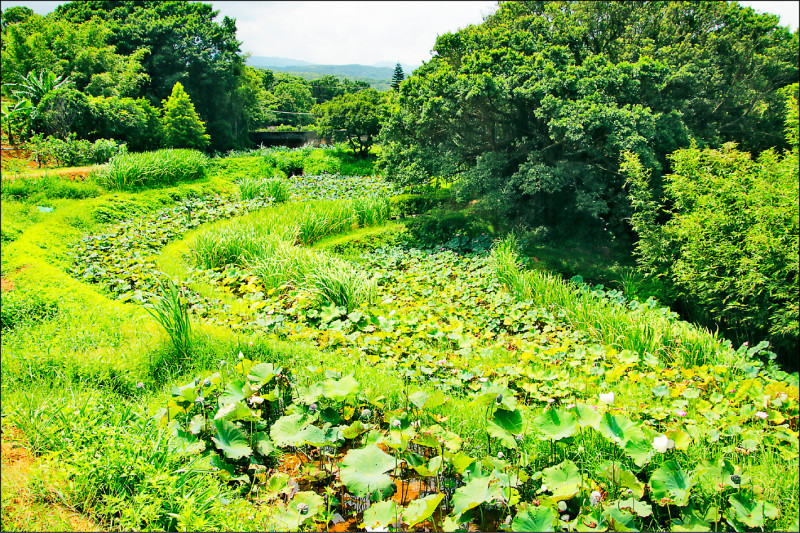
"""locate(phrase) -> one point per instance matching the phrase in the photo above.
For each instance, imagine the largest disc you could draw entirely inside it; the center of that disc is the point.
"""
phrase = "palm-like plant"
(35, 86)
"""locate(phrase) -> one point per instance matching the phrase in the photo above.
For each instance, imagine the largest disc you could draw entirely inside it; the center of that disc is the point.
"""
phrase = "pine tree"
(397, 77)
(182, 126)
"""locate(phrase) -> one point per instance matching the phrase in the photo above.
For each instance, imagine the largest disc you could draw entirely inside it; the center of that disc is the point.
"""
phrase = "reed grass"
(274, 188)
(160, 168)
(641, 328)
(173, 314)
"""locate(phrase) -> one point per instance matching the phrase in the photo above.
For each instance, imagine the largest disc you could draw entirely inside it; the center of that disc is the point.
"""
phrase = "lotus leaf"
(752, 513)
(421, 509)
(556, 424)
(563, 480)
(363, 470)
(535, 519)
(474, 493)
(671, 484)
(380, 515)
(231, 439)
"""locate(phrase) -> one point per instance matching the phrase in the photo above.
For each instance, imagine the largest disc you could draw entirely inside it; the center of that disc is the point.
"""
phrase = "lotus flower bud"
(312, 408)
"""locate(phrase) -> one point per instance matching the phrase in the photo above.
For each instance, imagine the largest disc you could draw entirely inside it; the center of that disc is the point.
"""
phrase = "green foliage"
(182, 127)
(21, 308)
(134, 121)
(728, 250)
(47, 186)
(530, 110)
(358, 117)
(171, 312)
(152, 169)
(74, 152)
(275, 188)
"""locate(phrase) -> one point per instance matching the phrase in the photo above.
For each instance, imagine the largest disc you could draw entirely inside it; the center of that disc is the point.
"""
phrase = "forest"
(547, 281)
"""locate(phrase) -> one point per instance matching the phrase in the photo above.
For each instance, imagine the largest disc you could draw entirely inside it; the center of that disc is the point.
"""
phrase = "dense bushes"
(152, 169)
(74, 152)
(286, 162)
(728, 251)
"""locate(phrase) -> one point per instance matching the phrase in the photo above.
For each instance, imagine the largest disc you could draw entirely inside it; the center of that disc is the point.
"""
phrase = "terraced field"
(448, 392)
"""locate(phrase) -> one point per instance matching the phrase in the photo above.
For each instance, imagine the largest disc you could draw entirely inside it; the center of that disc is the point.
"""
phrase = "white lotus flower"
(562, 506)
(607, 397)
(595, 497)
(663, 443)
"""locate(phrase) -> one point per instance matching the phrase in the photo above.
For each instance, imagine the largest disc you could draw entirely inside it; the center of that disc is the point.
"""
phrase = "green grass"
(73, 360)
(48, 186)
(152, 169)
(642, 330)
(274, 188)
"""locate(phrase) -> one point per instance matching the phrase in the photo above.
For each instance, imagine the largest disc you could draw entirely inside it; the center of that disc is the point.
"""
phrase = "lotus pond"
(444, 400)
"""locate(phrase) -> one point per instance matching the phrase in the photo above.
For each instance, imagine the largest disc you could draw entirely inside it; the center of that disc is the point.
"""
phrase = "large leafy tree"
(531, 109)
(184, 43)
(358, 117)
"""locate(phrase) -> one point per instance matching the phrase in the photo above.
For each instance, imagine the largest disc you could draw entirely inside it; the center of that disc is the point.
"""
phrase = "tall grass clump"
(152, 169)
(642, 328)
(335, 281)
(173, 315)
(274, 188)
(238, 242)
(503, 259)
(47, 185)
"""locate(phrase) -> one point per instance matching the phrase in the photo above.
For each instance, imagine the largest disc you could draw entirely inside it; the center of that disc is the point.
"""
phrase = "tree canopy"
(531, 109)
(357, 116)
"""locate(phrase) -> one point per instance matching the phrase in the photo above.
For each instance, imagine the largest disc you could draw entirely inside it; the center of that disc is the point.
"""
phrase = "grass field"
(206, 354)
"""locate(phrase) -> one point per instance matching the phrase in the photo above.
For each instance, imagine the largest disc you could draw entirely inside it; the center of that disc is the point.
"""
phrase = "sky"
(365, 32)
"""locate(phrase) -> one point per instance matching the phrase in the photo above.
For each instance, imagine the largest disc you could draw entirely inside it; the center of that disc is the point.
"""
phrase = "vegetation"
(728, 251)
(410, 334)
(182, 127)
(357, 117)
(152, 169)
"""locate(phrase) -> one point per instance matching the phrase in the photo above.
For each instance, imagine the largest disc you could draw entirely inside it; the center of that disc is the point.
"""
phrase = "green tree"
(182, 126)
(530, 110)
(356, 116)
(397, 77)
(723, 240)
(185, 44)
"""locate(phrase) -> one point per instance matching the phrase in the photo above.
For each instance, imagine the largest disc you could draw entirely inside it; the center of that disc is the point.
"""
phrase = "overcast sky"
(364, 32)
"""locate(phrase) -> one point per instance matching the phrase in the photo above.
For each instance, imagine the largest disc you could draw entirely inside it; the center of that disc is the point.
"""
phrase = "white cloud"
(349, 32)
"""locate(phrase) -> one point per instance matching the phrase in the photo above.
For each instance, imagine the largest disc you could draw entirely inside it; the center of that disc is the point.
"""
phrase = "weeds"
(47, 186)
(173, 315)
(274, 188)
(161, 168)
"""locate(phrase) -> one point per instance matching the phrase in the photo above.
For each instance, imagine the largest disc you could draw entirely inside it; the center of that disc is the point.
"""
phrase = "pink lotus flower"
(680, 412)
(762, 415)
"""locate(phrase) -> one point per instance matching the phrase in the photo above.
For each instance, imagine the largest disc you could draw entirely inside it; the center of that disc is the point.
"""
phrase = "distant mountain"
(378, 76)
(268, 61)
(407, 69)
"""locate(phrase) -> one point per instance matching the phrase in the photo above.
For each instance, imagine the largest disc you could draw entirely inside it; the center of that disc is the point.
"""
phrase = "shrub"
(153, 169)
(74, 152)
(729, 248)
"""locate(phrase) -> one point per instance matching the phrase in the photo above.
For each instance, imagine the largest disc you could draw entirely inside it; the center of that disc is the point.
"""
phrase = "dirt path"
(21, 511)
(71, 173)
